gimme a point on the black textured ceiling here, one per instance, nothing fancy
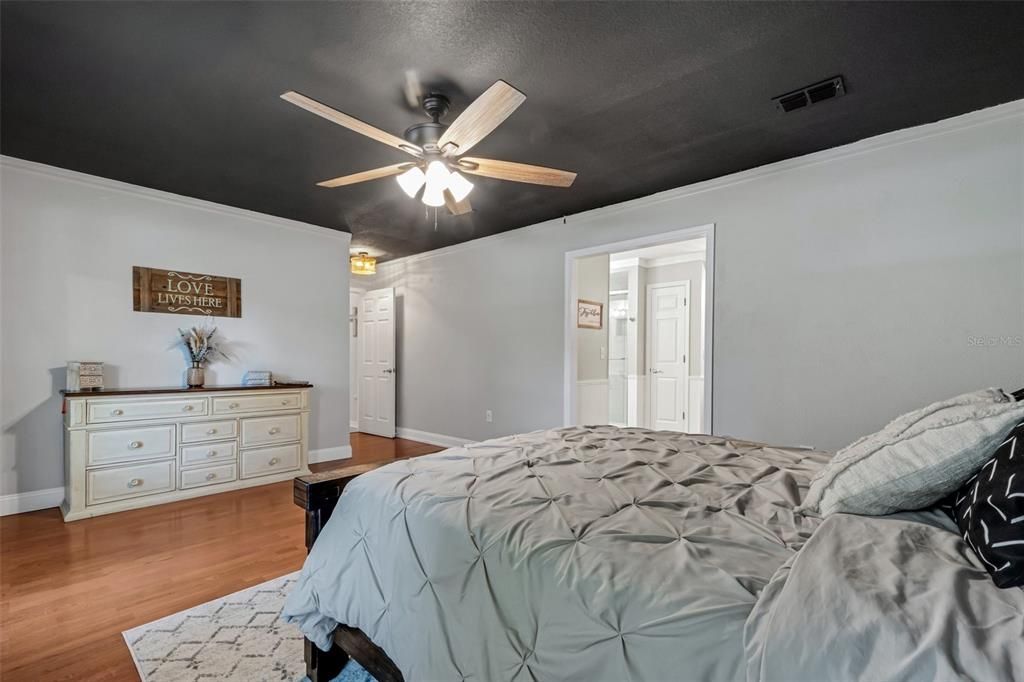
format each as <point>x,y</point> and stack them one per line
<point>637,97</point>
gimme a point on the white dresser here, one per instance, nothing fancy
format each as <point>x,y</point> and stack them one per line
<point>135,448</point>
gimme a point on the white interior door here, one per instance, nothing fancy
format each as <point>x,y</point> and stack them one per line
<point>668,346</point>
<point>377,363</point>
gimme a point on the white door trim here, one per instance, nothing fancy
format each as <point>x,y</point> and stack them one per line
<point>569,336</point>
<point>648,347</point>
<point>353,362</point>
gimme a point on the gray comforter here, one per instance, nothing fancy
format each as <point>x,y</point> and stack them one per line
<point>574,554</point>
<point>598,553</point>
<point>896,597</point>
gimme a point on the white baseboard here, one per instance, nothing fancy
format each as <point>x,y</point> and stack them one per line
<point>16,503</point>
<point>353,427</point>
<point>330,454</point>
<point>432,438</point>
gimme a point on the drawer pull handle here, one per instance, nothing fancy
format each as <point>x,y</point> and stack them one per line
<point>186,408</point>
<point>210,432</point>
<point>273,461</point>
<point>135,483</point>
<point>273,430</point>
<point>135,444</point>
<point>210,477</point>
<point>117,413</point>
<point>232,406</point>
<point>211,453</point>
<point>284,402</point>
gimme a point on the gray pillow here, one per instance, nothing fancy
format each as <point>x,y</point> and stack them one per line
<point>916,459</point>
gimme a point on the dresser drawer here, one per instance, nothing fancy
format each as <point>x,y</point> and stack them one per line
<point>267,430</point>
<point>125,445</point>
<point>106,411</point>
<point>118,483</point>
<point>264,461</point>
<point>194,478</point>
<point>192,455</point>
<point>193,432</point>
<point>267,402</point>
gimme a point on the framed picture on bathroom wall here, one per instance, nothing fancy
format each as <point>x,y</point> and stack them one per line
<point>589,314</point>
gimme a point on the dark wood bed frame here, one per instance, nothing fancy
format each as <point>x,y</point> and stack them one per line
<point>317,494</point>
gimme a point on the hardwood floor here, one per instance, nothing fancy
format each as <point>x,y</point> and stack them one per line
<point>67,591</point>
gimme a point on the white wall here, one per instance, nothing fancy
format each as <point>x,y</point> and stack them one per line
<point>69,242</point>
<point>851,285</point>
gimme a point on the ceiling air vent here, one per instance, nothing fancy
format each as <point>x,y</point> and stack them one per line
<point>811,94</point>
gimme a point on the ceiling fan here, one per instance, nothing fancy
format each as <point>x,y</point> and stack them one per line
<point>438,148</point>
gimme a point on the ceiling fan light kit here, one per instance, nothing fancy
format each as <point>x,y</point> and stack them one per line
<point>438,170</point>
<point>411,180</point>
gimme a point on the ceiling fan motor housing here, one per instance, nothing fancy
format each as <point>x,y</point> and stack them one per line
<point>426,135</point>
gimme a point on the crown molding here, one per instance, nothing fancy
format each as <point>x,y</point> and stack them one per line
<point>948,126</point>
<point>167,197</point>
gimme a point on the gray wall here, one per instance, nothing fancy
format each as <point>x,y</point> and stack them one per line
<point>592,285</point>
<point>69,244</point>
<point>851,286</point>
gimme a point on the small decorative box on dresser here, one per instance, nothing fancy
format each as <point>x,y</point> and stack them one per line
<point>135,448</point>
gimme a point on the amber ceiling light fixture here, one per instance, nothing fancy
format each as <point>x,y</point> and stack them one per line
<point>363,264</point>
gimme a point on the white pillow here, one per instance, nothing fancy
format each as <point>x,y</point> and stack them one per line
<point>916,459</point>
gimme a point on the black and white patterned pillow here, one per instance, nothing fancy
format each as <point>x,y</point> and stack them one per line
<point>989,509</point>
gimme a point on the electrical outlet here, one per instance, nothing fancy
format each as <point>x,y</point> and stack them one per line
<point>489,416</point>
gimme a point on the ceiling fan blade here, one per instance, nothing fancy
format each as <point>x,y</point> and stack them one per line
<point>384,172</point>
<point>516,172</point>
<point>481,117</point>
<point>456,207</point>
<point>352,123</point>
<point>413,90</point>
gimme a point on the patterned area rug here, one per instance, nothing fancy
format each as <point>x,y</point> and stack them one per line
<point>237,637</point>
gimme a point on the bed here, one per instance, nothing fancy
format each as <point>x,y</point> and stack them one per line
<point>603,553</point>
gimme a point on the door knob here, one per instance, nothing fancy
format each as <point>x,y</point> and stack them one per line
<point>656,371</point>
<point>389,371</point>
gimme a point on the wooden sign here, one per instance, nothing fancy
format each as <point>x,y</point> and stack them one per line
<point>185,293</point>
<point>589,314</point>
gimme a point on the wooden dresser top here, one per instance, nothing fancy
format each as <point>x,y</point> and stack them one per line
<point>178,390</point>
